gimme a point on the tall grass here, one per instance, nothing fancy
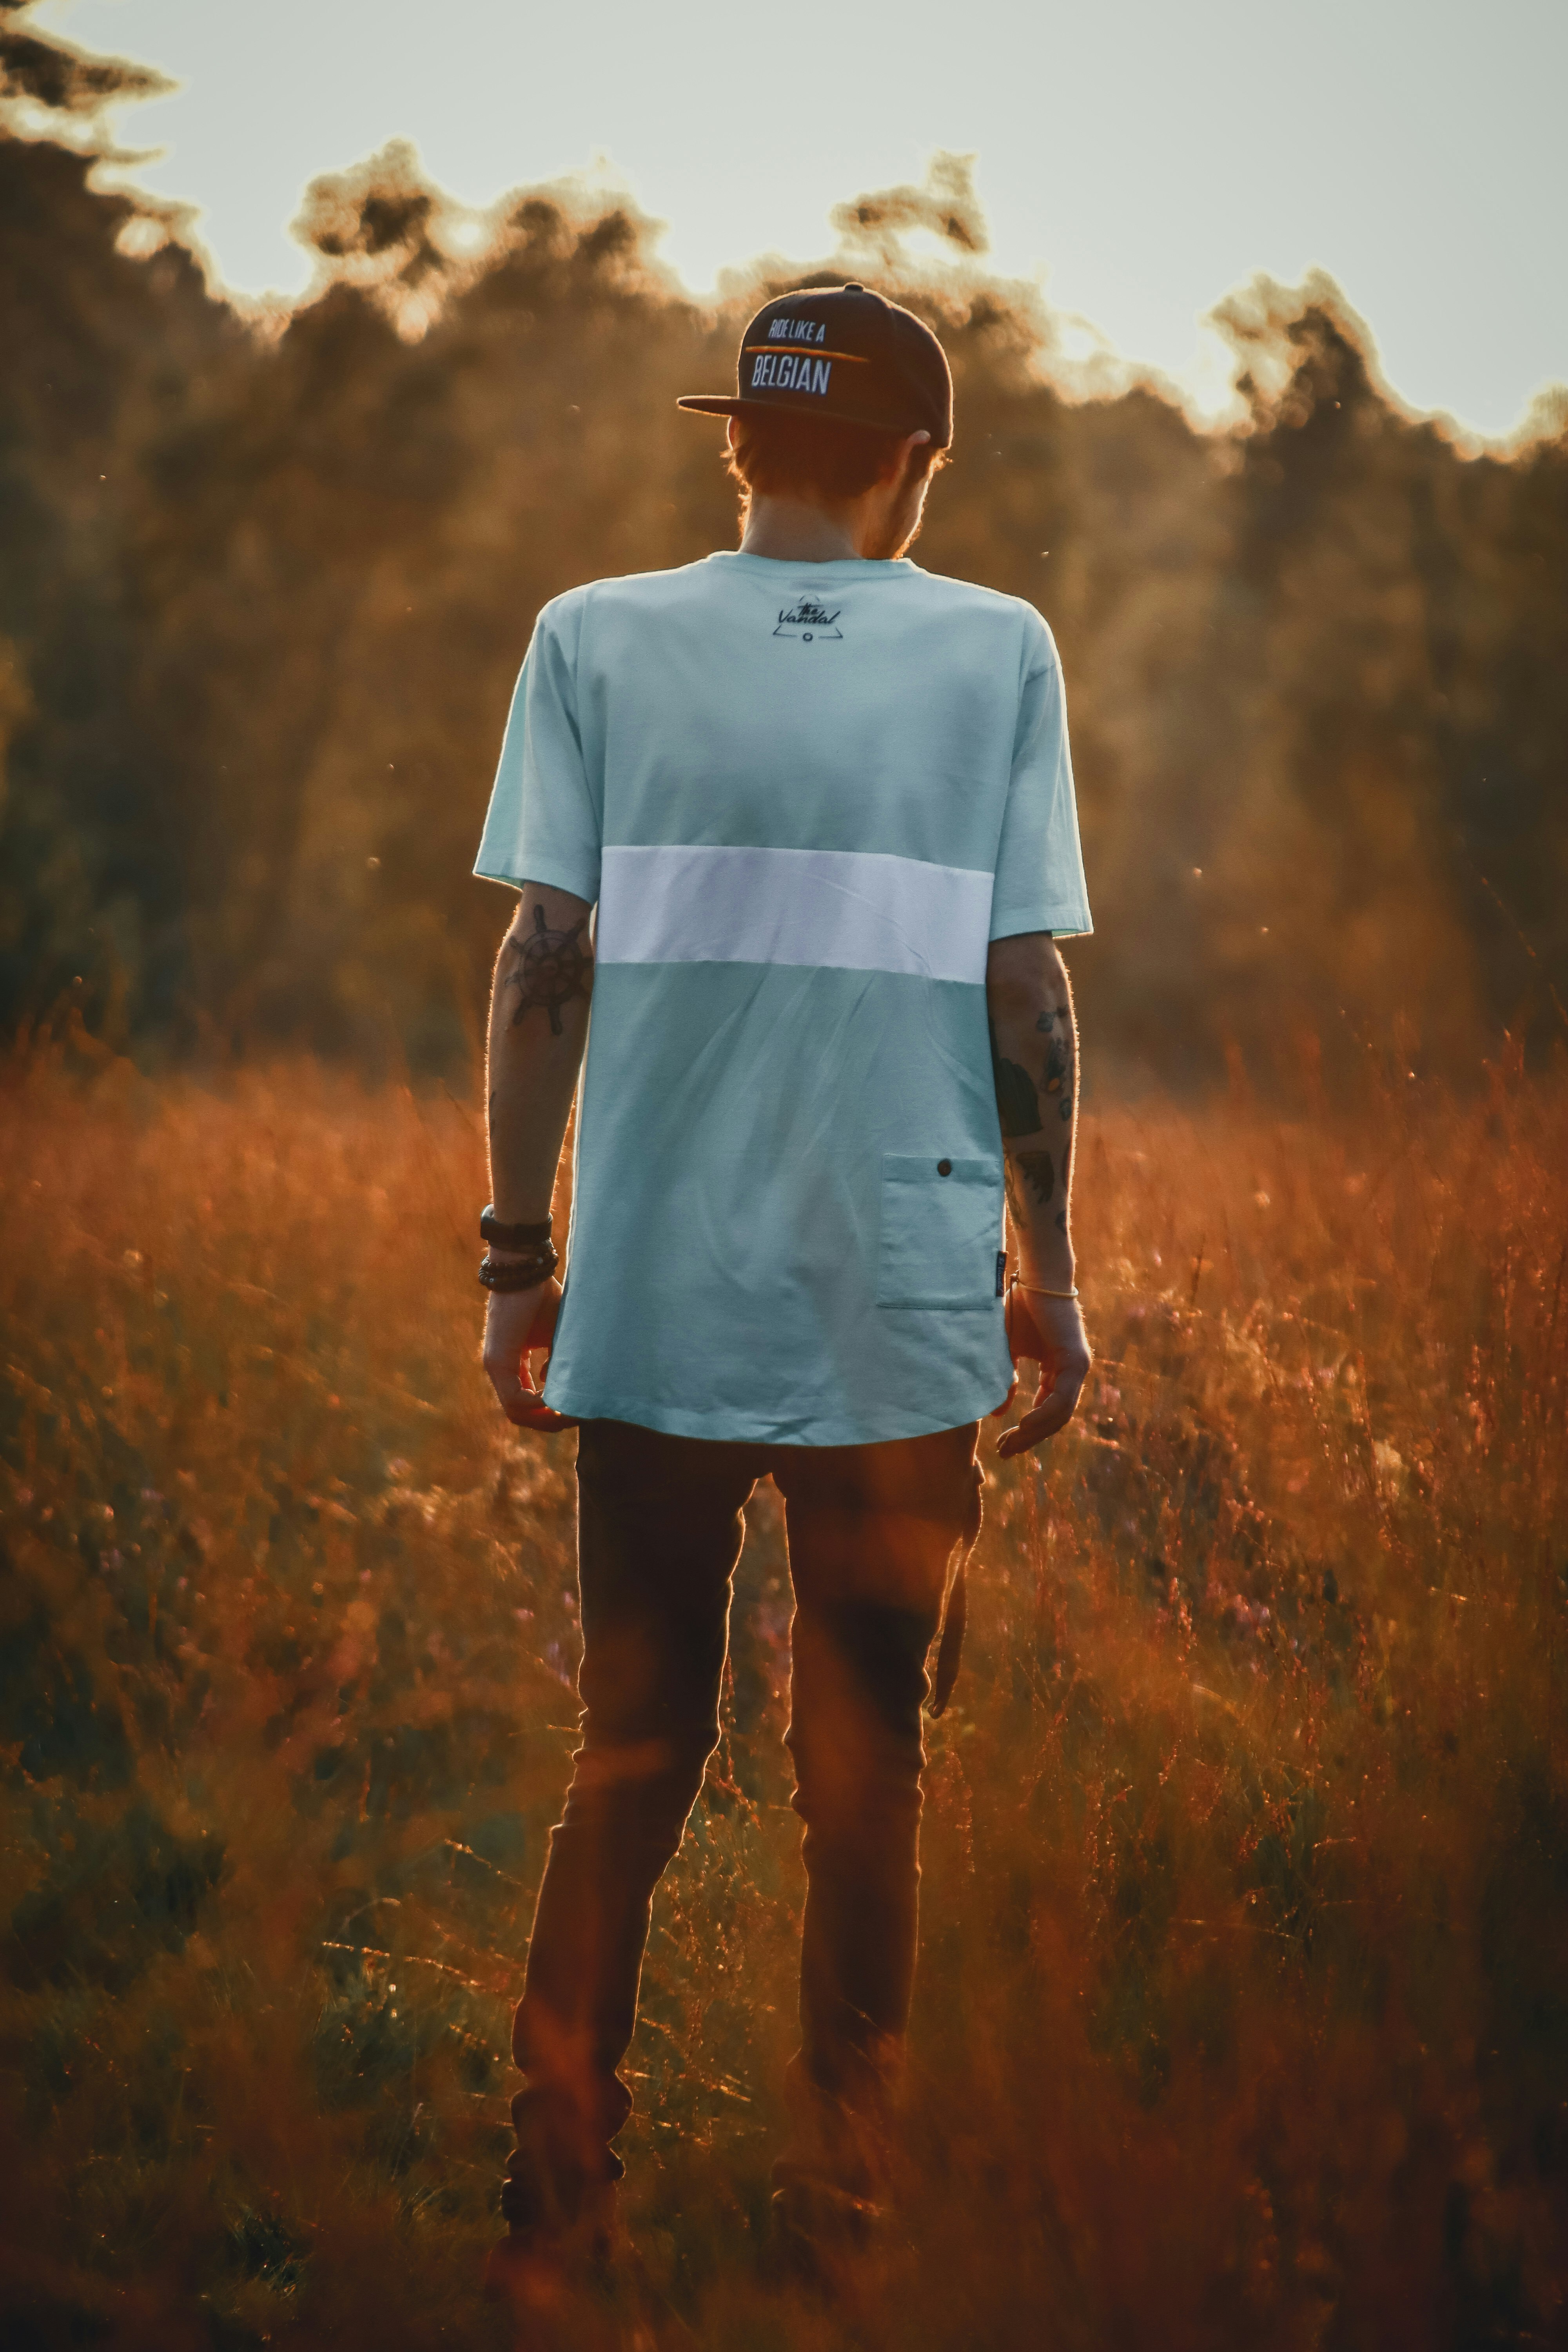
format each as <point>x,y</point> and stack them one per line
<point>1243,2012</point>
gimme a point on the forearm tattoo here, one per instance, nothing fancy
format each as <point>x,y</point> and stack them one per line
<point>1056,1024</point>
<point>1018,1103</point>
<point>1037,1175</point>
<point>549,968</point>
<point>1038,1170</point>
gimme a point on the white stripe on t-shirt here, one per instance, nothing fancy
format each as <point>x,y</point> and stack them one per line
<point>856,911</point>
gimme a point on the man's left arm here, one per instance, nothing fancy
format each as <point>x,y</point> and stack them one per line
<point>1034,1053</point>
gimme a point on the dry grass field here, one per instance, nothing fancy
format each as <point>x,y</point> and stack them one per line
<point>1243,2017</point>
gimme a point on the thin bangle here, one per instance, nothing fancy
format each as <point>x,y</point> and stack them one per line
<point>1039,1290</point>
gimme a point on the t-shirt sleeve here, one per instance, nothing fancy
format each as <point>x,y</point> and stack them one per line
<point>544,823</point>
<point>1040,883</point>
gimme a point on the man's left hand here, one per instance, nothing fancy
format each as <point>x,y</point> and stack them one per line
<point>1049,1332</point>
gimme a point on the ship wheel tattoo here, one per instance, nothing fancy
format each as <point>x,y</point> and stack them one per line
<point>553,968</point>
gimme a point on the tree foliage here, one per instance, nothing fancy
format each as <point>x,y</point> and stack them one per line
<point>266,586</point>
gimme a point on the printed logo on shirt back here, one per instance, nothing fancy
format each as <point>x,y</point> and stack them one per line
<point>809,620</point>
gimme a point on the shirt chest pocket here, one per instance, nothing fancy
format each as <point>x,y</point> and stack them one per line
<point>941,1229</point>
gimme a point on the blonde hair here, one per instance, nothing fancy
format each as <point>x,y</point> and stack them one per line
<point>778,453</point>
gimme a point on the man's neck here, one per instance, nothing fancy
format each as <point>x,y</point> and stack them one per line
<point>791,531</point>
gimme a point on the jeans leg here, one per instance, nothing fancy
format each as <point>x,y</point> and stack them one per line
<point>871,1532</point>
<point>659,1530</point>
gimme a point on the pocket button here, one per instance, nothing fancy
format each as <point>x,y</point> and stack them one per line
<point>944,1167</point>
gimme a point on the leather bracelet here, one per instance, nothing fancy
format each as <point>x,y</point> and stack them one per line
<point>519,1273</point>
<point>510,1237</point>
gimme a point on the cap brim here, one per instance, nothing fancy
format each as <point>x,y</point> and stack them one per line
<point>716,403</point>
<point>727,404</point>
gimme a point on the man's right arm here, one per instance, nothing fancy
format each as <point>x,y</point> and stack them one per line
<point>538,1025</point>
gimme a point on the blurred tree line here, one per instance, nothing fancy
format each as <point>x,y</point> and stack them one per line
<point>266,588</point>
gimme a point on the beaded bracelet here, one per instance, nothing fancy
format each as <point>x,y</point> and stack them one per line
<point>519,1273</point>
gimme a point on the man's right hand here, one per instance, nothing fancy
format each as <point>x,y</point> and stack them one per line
<point>518,1324</point>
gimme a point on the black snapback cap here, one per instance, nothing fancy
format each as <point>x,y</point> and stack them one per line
<point>842,352</point>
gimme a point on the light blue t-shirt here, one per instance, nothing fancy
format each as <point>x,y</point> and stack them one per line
<point>803,799</point>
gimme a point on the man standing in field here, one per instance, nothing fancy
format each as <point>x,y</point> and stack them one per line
<point>821,803</point>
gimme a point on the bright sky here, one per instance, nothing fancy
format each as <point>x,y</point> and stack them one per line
<point>1143,155</point>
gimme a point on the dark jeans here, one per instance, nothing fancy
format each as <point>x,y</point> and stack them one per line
<point>871,1532</point>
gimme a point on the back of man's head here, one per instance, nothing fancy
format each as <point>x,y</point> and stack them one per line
<point>817,459</point>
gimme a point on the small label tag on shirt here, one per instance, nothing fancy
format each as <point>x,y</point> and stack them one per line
<point>1001,1270</point>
